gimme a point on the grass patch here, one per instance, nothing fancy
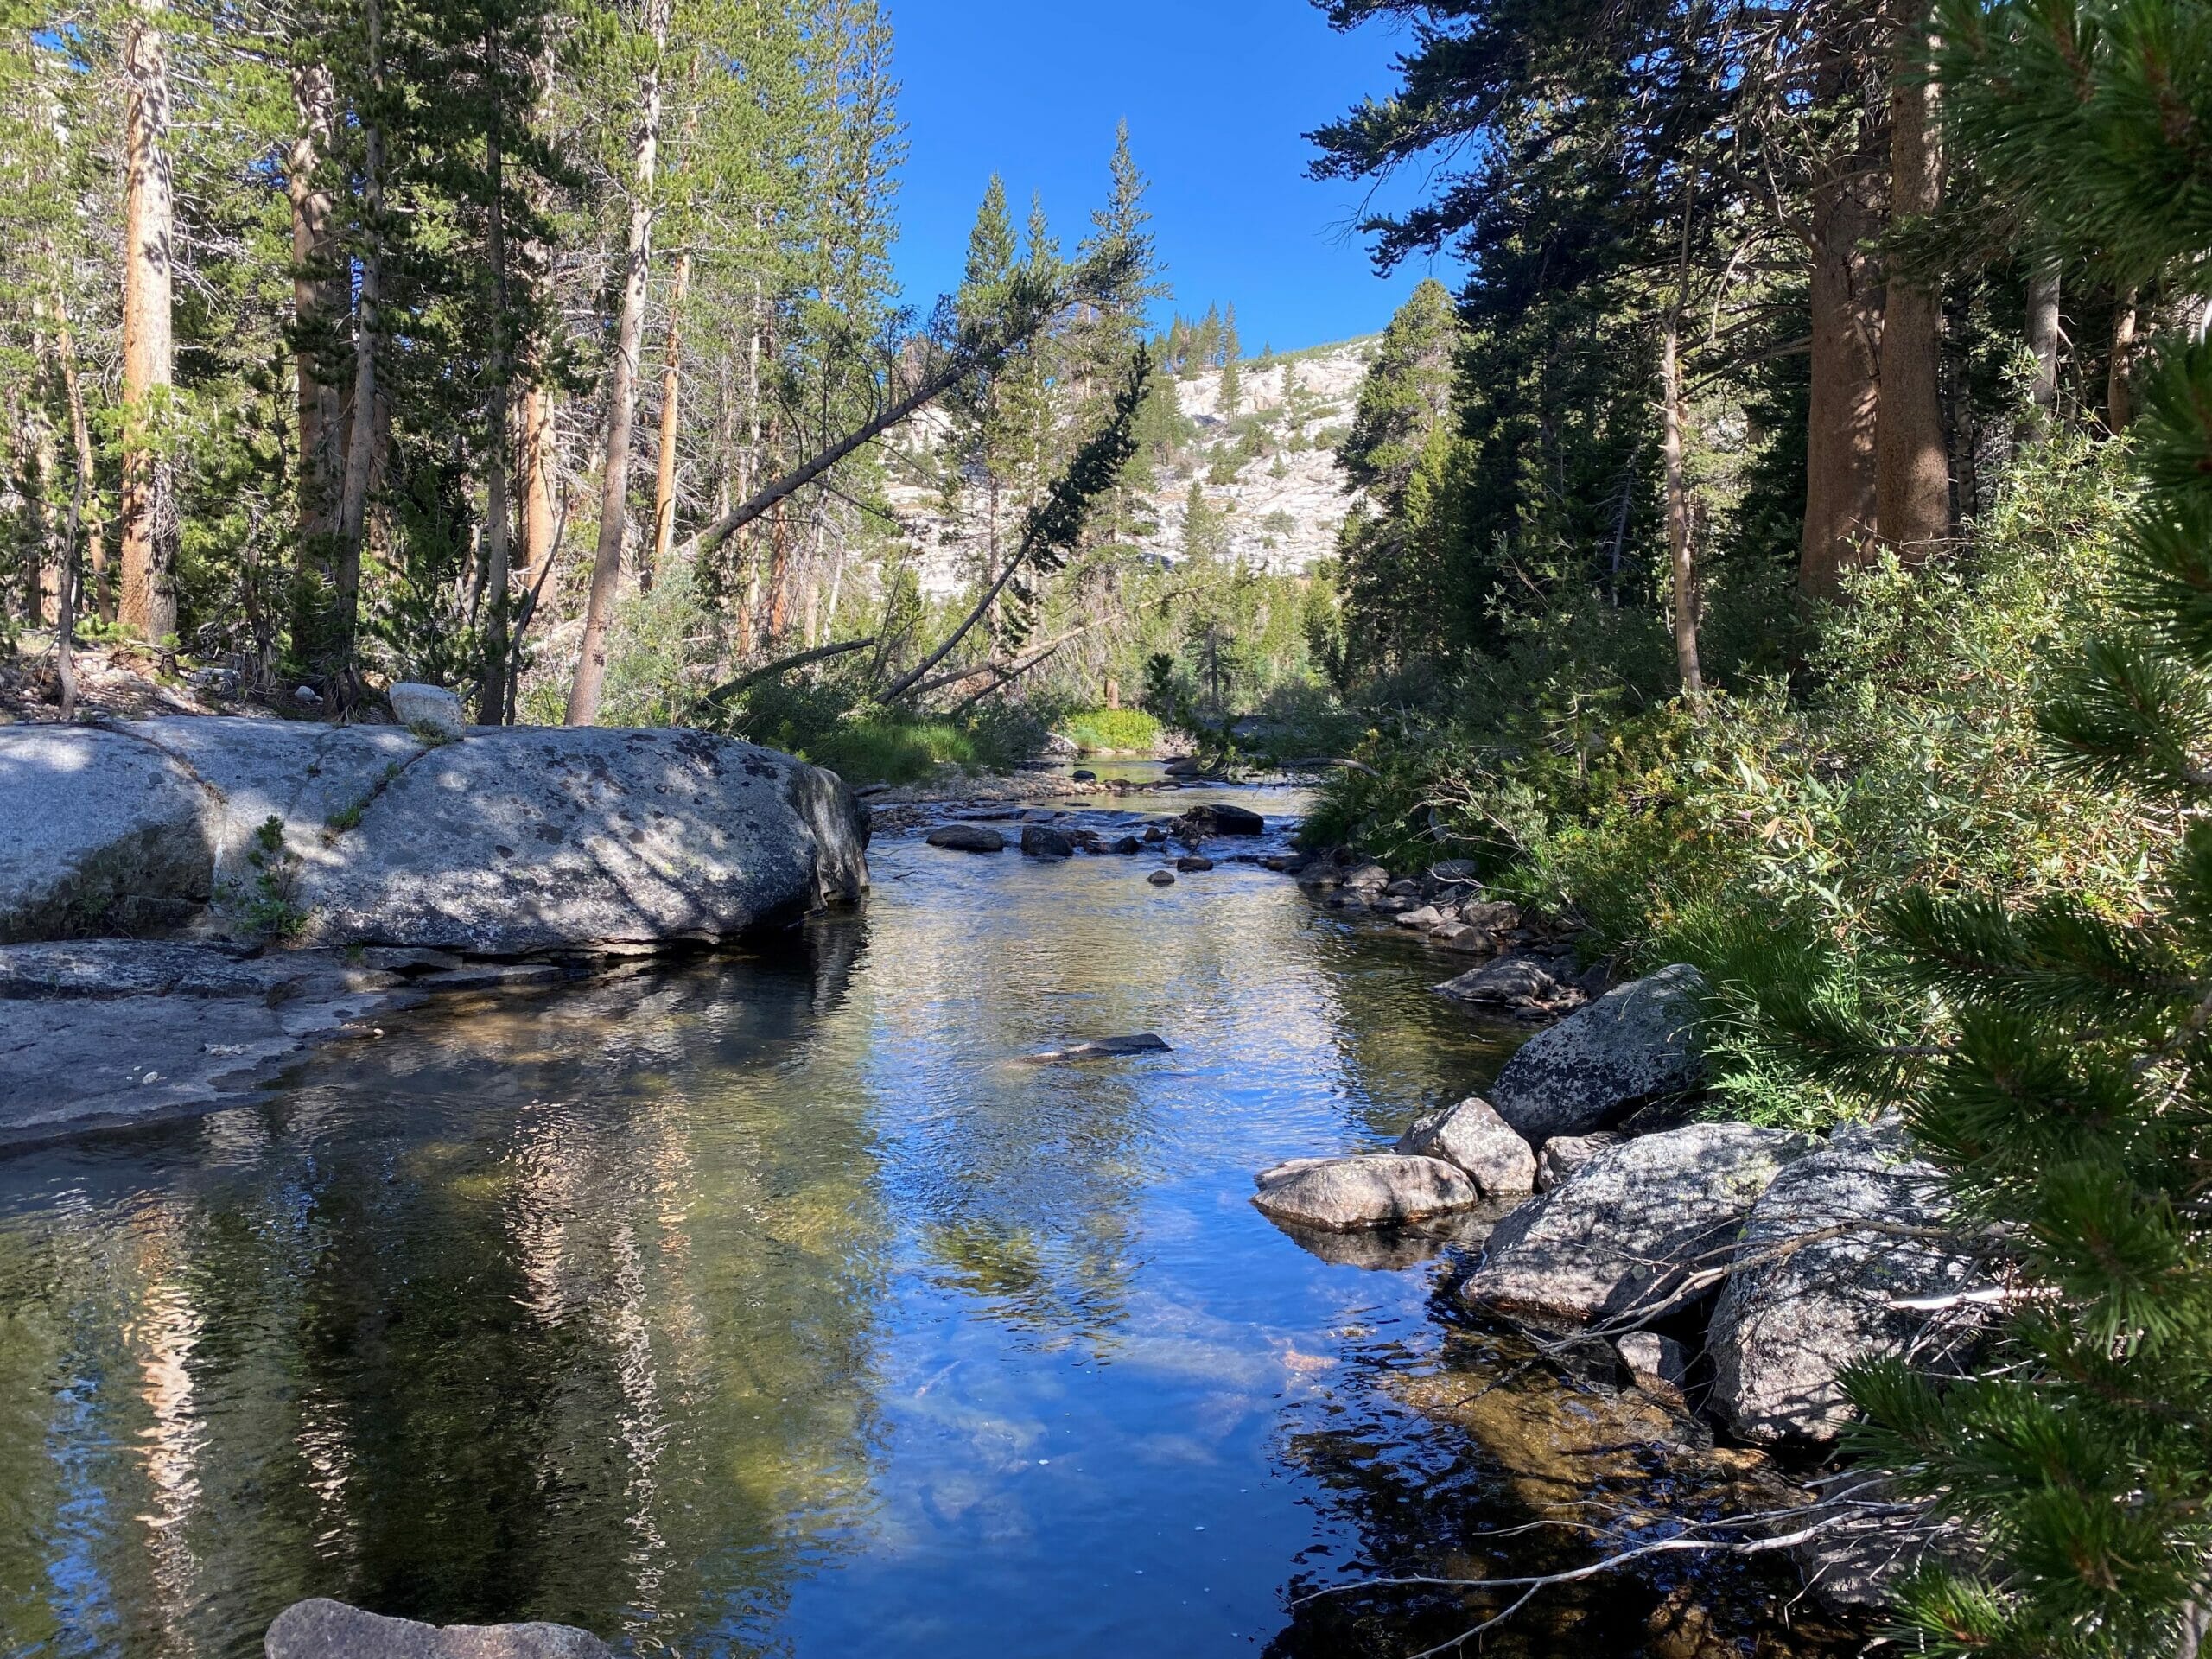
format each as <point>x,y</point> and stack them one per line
<point>1112,728</point>
<point>876,750</point>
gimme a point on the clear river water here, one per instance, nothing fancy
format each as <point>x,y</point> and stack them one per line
<point>771,1305</point>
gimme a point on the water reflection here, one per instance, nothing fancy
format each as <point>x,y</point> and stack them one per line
<point>760,1305</point>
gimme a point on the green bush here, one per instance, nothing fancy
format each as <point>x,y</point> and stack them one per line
<point>1122,729</point>
<point>1902,756</point>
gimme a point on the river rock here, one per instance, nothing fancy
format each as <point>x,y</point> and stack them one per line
<point>331,1629</point>
<point>1194,865</point>
<point>1040,840</point>
<point>1367,879</point>
<point>99,832</point>
<point>1622,1234</point>
<point>1380,1190</point>
<point>1565,1154</point>
<point>967,838</point>
<point>1425,919</point>
<point>1632,1046</point>
<point>1474,1138</point>
<point>1224,820</point>
<point>1786,1328</point>
<point>430,707</point>
<point>1653,1359</point>
<point>1128,846</point>
<point>1161,878</point>
<point>505,843</point>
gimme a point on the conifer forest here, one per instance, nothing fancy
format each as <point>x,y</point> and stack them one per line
<point>592,788</point>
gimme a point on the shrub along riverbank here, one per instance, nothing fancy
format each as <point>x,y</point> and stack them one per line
<point>1760,834</point>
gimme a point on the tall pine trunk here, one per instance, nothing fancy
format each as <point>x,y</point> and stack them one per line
<point>1678,515</point>
<point>498,513</point>
<point>366,434</point>
<point>540,466</point>
<point>316,298</point>
<point>1912,488</point>
<point>622,395</point>
<point>1840,436</point>
<point>149,516</point>
<point>2043,298</point>
<point>671,409</point>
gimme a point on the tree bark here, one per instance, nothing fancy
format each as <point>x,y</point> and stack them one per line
<point>1678,517</point>
<point>540,466</point>
<point>2119,401</point>
<point>316,299</point>
<point>149,515</point>
<point>671,409</point>
<point>365,438</point>
<point>622,396</point>
<point>1912,484</point>
<point>498,513</point>
<point>84,507</point>
<point>2043,332</point>
<point>1840,437</point>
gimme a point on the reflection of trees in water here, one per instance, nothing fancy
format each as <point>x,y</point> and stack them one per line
<point>1430,1466</point>
<point>490,1320</point>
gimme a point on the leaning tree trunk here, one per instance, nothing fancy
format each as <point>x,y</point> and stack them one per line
<point>149,516</point>
<point>2043,332</point>
<point>622,396</point>
<point>1912,480</point>
<point>365,437</point>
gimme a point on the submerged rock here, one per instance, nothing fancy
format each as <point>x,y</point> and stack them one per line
<point>1787,1325</point>
<point>331,1629</point>
<point>1105,1048</point>
<point>1634,1045</point>
<point>1473,1137</point>
<point>1393,1249</point>
<point>1381,1189</point>
<point>967,838</point>
<point>1516,981</point>
<point>1630,1227</point>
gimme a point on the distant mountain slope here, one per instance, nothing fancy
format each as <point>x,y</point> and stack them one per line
<point>1270,468</point>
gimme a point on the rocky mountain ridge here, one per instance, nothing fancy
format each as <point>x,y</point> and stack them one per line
<point>1268,468</point>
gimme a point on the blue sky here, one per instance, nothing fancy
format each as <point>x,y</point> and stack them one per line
<point>1217,93</point>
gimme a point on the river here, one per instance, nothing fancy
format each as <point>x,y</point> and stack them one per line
<point>770,1305</point>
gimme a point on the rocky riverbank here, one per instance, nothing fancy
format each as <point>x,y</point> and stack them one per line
<point>1730,1273</point>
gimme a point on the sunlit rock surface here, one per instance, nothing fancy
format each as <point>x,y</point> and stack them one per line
<point>504,842</point>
